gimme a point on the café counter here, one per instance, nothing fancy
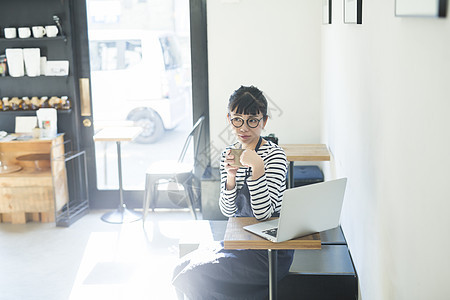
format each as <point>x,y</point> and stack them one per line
<point>32,190</point>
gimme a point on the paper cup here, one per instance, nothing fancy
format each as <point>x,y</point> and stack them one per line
<point>237,157</point>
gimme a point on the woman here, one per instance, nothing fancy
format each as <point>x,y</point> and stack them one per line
<point>254,190</point>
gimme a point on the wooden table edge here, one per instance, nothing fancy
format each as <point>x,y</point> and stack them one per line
<point>263,245</point>
<point>235,238</point>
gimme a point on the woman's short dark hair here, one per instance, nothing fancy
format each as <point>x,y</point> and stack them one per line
<point>248,100</point>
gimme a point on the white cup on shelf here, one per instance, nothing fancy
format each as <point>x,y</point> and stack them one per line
<point>51,30</point>
<point>38,31</point>
<point>24,32</point>
<point>10,32</point>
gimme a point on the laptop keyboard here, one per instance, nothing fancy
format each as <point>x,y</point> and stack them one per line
<point>272,231</point>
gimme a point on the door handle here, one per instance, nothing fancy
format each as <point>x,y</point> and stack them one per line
<point>85,97</point>
<point>87,123</point>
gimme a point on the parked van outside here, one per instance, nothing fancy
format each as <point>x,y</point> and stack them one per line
<point>138,76</point>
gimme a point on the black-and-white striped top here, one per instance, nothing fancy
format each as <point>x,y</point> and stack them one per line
<point>266,192</point>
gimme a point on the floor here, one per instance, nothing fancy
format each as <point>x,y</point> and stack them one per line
<point>92,259</point>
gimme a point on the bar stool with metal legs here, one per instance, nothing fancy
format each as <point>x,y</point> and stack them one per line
<point>178,173</point>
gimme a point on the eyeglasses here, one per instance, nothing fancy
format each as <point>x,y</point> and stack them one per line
<point>251,122</point>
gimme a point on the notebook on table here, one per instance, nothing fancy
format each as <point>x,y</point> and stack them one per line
<point>305,210</point>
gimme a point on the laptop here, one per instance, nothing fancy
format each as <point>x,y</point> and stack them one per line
<point>305,210</point>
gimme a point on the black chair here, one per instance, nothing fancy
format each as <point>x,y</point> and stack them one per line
<point>271,137</point>
<point>178,173</point>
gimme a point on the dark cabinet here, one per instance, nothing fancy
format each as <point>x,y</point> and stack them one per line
<point>28,13</point>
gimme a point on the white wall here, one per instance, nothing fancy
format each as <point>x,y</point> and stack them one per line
<point>386,96</point>
<point>386,106</point>
<point>274,45</point>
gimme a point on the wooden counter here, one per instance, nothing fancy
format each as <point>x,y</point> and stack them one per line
<point>33,194</point>
<point>236,237</point>
<point>306,152</point>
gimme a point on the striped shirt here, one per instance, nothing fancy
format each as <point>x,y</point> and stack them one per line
<point>266,192</point>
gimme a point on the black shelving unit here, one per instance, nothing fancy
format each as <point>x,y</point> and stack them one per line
<point>17,14</point>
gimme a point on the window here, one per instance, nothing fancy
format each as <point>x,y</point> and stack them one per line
<point>115,55</point>
<point>171,53</point>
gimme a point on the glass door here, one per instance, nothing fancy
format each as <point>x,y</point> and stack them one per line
<point>140,75</point>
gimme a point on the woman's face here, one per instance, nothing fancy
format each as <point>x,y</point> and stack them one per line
<point>247,127</point>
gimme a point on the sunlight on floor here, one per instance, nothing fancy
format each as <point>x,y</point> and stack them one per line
<point>133,263</point>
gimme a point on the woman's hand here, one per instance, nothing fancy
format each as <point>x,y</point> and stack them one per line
<point>231,171</point>
<point>229,160</point>
<point>250,158</point>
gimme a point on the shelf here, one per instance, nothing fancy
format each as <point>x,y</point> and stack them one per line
<point>31,39</point>
<point>32,112</point>
<point>32,78</point>
<point>41,175</point>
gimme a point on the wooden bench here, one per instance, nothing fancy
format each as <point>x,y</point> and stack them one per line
<point>314,274</point>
